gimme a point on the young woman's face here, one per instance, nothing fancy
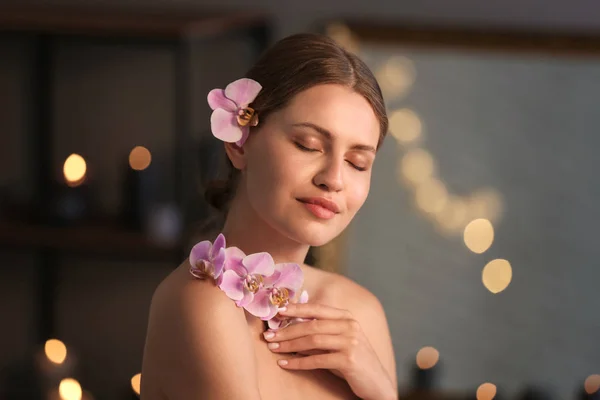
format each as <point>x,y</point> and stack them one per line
<point>308,168</point>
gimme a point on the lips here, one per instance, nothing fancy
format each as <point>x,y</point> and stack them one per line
<point>323,202</point>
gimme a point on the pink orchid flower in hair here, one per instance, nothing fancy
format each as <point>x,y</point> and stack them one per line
<point>208,259</point>
<point>277,290</point>
<point>231,118</point>
<point>244,276</point>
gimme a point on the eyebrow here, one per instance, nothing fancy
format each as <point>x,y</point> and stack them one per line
<point>329,135</point>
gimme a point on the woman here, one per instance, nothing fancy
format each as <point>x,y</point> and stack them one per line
<point>301,133</point>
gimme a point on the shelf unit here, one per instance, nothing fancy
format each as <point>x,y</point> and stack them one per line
<point>178,30</point>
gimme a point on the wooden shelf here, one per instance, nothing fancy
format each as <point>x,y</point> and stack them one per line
<point>129,21</point>
<point>92,239</point>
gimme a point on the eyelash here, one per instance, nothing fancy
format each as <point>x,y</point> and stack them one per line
<point>307,149</point>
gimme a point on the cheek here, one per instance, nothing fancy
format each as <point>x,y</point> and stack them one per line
<point>358,191</point>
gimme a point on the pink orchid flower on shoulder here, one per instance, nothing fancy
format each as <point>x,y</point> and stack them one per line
<point>279,322</point>
<point>207,259</point>
<point>231,118</point>
<point>277,291</point>
<point>244,275</point>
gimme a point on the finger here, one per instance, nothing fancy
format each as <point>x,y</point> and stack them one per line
<point>321,361</point>
<point>313,342</point>
<point>314,310</point>
<point>310,352</point>
<point>314,327</point>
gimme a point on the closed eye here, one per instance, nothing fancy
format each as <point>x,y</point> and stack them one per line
<point>356,167</point>
<point>304,148</point>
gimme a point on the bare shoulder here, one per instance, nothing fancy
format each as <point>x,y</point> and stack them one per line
<point>196,337</point>
<point>339,291</point>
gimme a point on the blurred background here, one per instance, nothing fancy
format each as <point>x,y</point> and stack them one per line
<point>479,235</point>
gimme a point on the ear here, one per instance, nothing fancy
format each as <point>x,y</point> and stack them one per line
<point>237,155</point>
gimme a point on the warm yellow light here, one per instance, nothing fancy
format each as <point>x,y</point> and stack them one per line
<point>416,166</point>
<point>74,169</point>
<point>497,275</point>
<point>452,217</point>
<point>427,357</point>
<point>55,350</point>
<point>431,196</point>
<point>342,34</point>
<point>139,158</point>
<point>69,389</point>
<point>485,203</point>
<point>136,382</point>
<point>405,125</point>
<point>479,235</point>
<point>486,391</point>
<point>397,76</point>
<point>592,384</point>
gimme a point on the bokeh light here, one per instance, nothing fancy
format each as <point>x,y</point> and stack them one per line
<point>139,158</point>
<point>405,125</point>
<point>69,389</point>
<point>416,166</point>
<point>497,275</point>
<point>592,384</point>
<point>55,350</point>
<point>74,169</point>
<point>431,196</point>
<point>396,77</point>
<point>486,391</point>
<point>427,357</point>
<point>136,382</point>
<point>479,235</point>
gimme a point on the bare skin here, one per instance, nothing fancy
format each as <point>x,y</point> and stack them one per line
<point>259,377</point>
<point>200,345</point>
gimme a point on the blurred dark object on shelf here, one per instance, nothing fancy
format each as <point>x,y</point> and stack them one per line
<point>70,205</point>
<point>584,395</point>
<point>534,393</point>
<point>425,378</point>
<point>140,190</point>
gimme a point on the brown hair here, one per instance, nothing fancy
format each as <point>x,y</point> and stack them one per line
<point>294,64</point>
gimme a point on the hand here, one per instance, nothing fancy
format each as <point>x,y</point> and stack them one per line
<point>335,341</point>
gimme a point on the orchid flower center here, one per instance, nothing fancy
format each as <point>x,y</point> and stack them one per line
<point>253,282</point>
<point>279,297</point>
<point>205,268</point>
<point>245,116</point>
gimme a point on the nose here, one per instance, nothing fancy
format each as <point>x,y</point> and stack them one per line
<point>330,177</point>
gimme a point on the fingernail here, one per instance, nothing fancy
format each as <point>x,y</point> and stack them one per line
<point>282,362</point>
<point>269,335</point>
<point>282,309</point>
<point>273,346</point>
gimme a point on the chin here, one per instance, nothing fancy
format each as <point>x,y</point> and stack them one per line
<point>313,233</point>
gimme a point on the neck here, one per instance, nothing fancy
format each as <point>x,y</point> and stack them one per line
<point>248,231</point>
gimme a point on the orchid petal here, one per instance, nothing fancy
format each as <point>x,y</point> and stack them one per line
<point>224,126</point>
<point>216,99</point>
<point>291,277</point>
<point>200,251</point>
<point>271,314</point>
<point>232,285</point>
<point>219,262</point>
<point>245,134</point>
<point>247,299</point>
<point>259,263</point>
<point>260,306</point>
<point>243,91</point>
<point>218,244</point>
<point>233,261</point>
<point>274,323</point>
<point>303,297</point>
<point>269,281</point>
